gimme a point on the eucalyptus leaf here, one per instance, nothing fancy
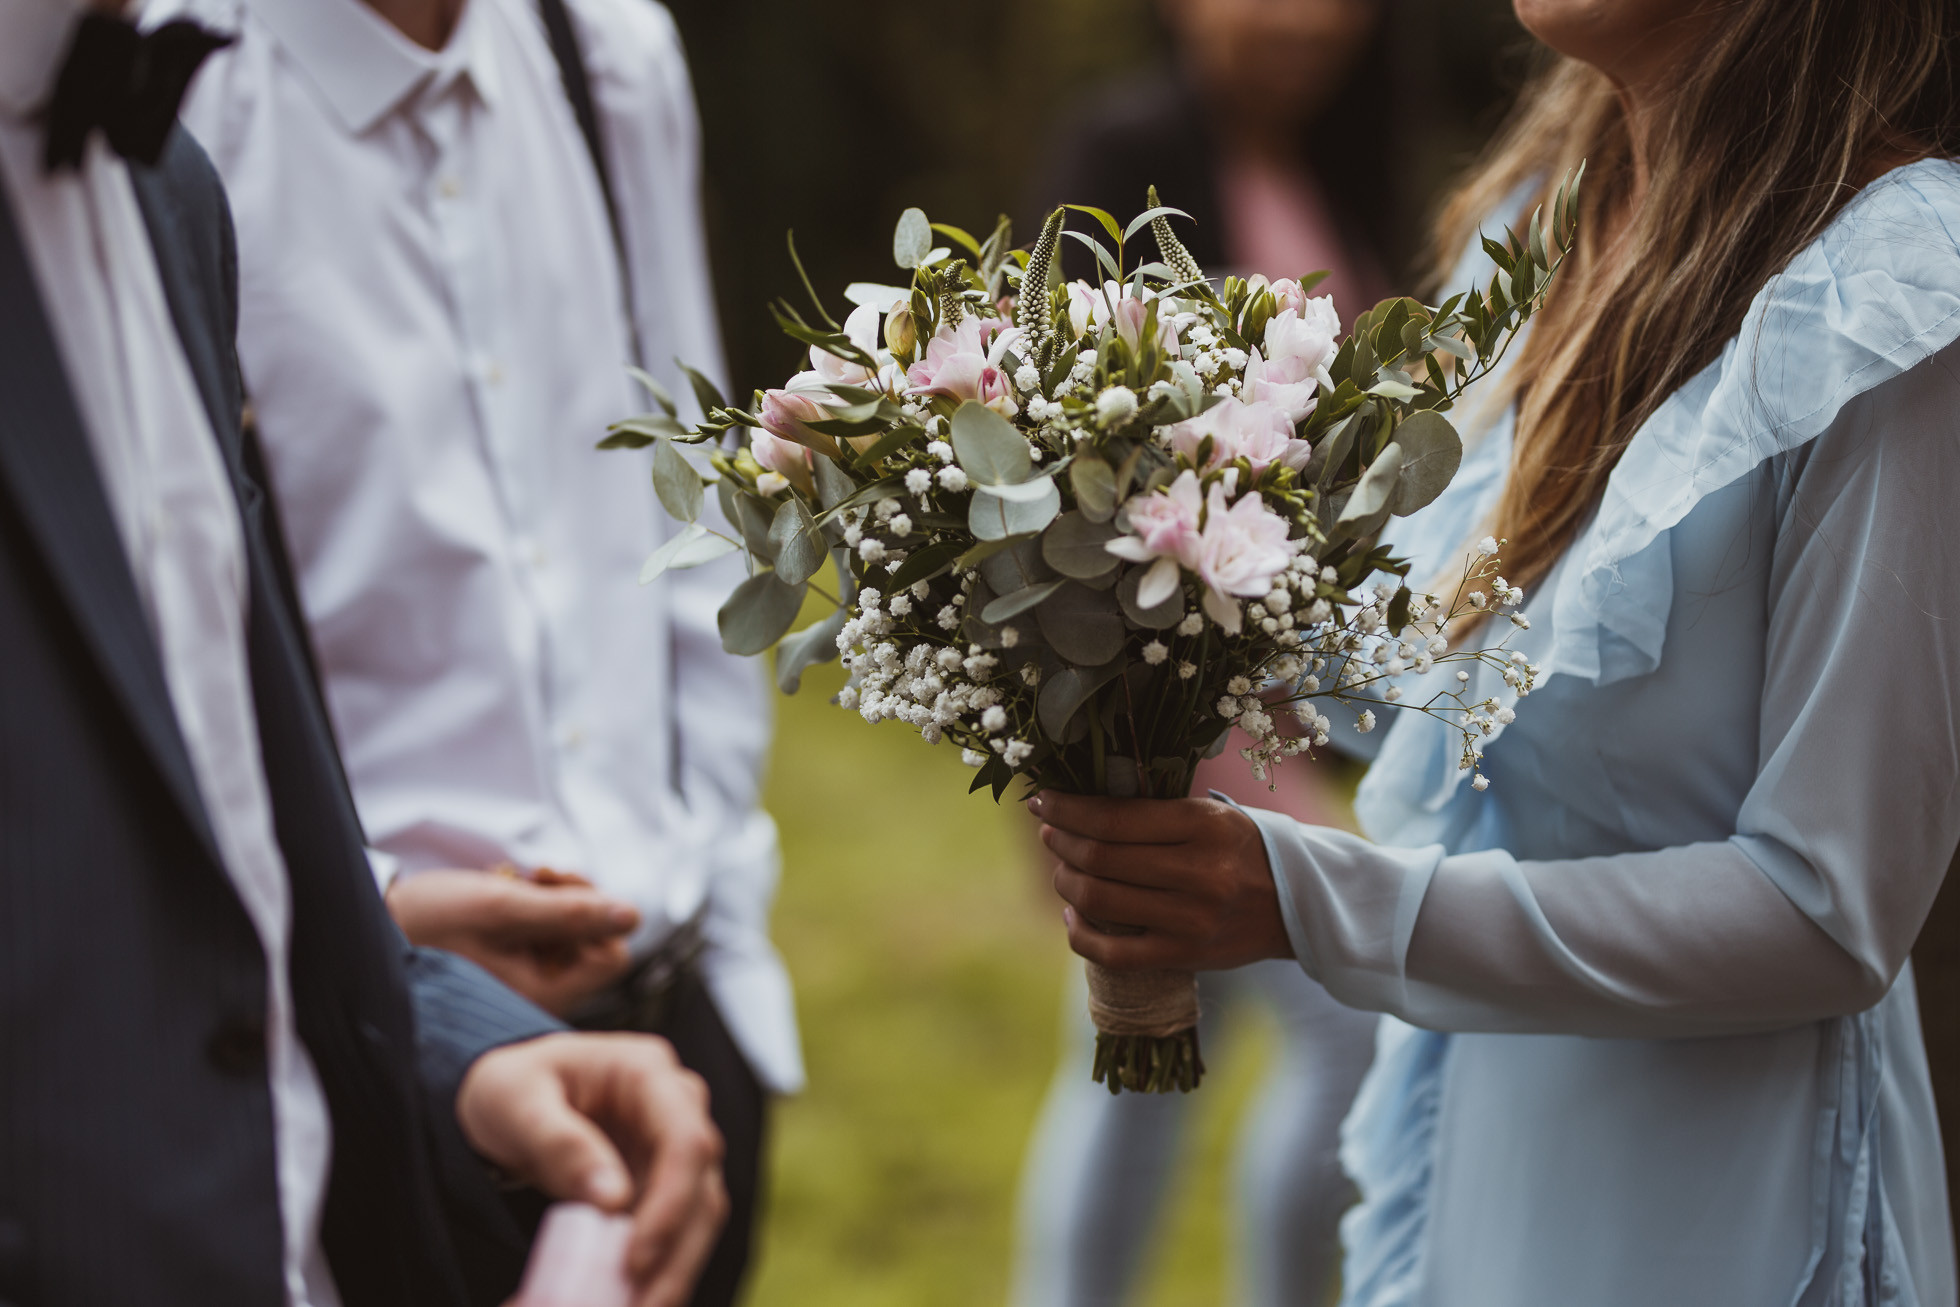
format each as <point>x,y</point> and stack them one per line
<point>813,644</point>
<point>872,294</point>
<point>912,239</point>
<point>1024,492</point>
<point>676,482</point>
<point>758,614</point>
<point>750,515</point>
<point>834,485</point>
<point>1082,625</point>
<point>924,564</point>
<point>1064,692</point>
<point>990,451</point>
<point>799,546</point>
<point>1372,492</point>
<point>1016,567</point>
<point>993,518</point>
<point>1161,618</point>
<point>706,393</point>
<point>1391,389</point>
<point>1013,605</point>
<point>1094,483</point>
<point>691,546</point>
<point>1431,454</point>
<point>1074,546</point>
<point>653,387</point>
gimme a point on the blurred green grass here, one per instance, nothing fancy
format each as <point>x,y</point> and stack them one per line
<point>929,962</point>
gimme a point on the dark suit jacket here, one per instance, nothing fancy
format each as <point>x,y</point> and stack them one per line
<point>136,1144</point>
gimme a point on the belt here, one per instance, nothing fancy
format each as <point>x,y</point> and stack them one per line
<point>643,999</point>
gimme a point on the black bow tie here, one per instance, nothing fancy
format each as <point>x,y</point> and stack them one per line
<point>126,82</point>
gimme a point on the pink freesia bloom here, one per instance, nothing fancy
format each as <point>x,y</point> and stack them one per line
<point>787,413</point>
<point>1165,534</point>
<point>1260,432</point>
<point>862,327</point>
<point>1089,308</point>
<point>1289,294</point>
<point>1300,343</point>
<point>786,458</point>
<point>1240,552</point>
<point>964,362</point>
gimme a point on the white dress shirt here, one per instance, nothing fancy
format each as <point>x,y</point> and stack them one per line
<point>433,338</point>
<point>178,518</point>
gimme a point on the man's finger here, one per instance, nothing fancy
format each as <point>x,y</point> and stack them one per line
<point>672,1284</point>
<point>670,1118</point>
<point>534,912</point>
<point>1112,902</point>
<point>1118,821</point>
<point>566,1155</point>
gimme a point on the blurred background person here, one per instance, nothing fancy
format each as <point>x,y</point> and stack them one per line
<point>1261,127</point>
<point>457,223</point>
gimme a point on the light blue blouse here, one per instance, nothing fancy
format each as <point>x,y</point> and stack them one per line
<point>1657,1041</point>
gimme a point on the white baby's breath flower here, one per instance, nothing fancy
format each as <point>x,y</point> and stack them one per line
<point>871,550</point>
<point>885,508</point>
<point>901,605</point>
<point>1228,707</point>
<point>1026,378</point>
<point>972,757</point>
<point>994,720</point>
<point>948,618</point>
<point>901,526</point>
<point>918,481</point>
<point>1478,600</point>
<point>1238,685</point>
<point>940,450</point>
<point>1155,652</point>
<point>1016,752</point>
<point>1186,670</point>
<point>1463,678</point>
<point>952,478</point>
<point>1009,637</point>
<point>1192,624</point>
<point>1366,722</point>
<point>1487,546</point>
<point>1480,782</point>
<point>852,534</point>
<point>1235,359</point>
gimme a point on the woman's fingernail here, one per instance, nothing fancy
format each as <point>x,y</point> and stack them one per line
<point>1068,917</point>
<point>1038,803</point>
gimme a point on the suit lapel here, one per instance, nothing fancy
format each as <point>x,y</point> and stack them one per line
<point>47,465</point>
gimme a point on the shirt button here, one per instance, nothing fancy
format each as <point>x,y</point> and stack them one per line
<point>571,737</point>
<point>451,187</point>
<point>493,373</point>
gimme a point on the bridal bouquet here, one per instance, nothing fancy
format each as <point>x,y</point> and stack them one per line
<point>1080,531</point>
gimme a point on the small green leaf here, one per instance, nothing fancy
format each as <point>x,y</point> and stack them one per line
<point>1390,389</point>
<point>654,388</point>
<point>991,517</point>
<point>705,392</point>
<point>1013,605</point>
<point>758,614</point>
<point>1373,491</point>
<point>1073,546</point>
<point>960,235</point>
<point>989,449</point>
<point>925,564</point>
<point>623,437</point>
<point>692,546</point>
<point>912,239</point>
<point>834,485</point>
<point>1144,219</point>
<point>890,443</point>
<point>799,546</point>
<point>1063,693</point>
<point>1094,483</point>
<point>676,482</point>
<point>1103,216</point>
<point>813,644</point>
<point>1431,454</point>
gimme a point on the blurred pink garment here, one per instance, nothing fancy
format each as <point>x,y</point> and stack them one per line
<point>1278,223</point>
<point>579,1260</point>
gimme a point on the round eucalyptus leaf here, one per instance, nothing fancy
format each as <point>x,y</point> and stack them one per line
<point>1373,490</point>
<point>1073,546</point>
<point>1094,483</point>
<point>1082,625</point>
<point>1065,691</point>
<point>799,545</point>
<point>812,645</point>
<point>677,483</point>
<point>692,546</point>
<point>1161,618</point>
<point>990,451</point>
<point>1431,454</point>
<point>758,613</point>
<point>1015,567</point>
<point>993,518</point>
<point>912,240</point>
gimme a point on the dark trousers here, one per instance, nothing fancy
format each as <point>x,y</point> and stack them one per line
<point>687,1019</point>
<point>1936,971</point>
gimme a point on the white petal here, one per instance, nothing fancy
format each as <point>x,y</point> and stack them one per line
<point>1158,584</point>
<point>1221,610</point>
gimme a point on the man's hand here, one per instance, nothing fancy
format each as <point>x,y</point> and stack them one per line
<point>554,939</point>
<point>615,1121</point>
<point>1190,874</point>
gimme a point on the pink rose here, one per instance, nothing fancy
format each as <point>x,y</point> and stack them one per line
<point>1242,548</point>
<point>1260,432</point>
<point>1164,533</point>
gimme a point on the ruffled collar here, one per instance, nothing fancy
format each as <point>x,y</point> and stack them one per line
<point>1877,293</point>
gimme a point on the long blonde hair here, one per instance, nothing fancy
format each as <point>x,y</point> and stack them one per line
<point>1763,137</point>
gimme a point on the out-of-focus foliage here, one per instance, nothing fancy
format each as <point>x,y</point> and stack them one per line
<point>829,116</point>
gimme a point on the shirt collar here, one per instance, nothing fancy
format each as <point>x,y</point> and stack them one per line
<point>361,64</point>
<point>34,36</point>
